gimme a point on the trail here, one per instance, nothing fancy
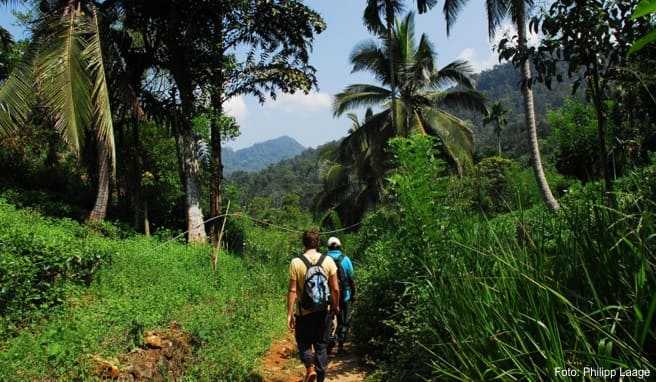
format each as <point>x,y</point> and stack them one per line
<point>281,364</point>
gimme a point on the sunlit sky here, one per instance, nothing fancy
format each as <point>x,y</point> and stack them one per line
<point>308,118</point>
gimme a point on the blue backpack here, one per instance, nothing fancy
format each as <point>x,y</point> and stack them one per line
<point>316,293</point>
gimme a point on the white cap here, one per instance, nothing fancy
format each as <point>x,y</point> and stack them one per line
<point>333,241</point>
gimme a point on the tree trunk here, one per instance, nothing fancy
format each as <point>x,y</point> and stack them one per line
<point>499,141</point>
<point>389,17</point>
<point>146,221</point>
<point>135,175</point>
<point>190,164</point>
<point>529,115</point>
<point>217,173</point>
<point>216,165</point>
<point>191,169</point>
<point>102,197</point>
<point>601,135</point>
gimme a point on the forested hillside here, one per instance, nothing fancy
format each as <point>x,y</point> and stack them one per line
<point>260,155</point>
<point>298,178</point>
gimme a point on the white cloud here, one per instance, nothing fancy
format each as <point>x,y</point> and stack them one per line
<point>488,59</point>
<point>236,107</point>
<point>300,102</point>
<point>479,63</point>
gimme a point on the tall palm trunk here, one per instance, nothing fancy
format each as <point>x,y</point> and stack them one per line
<point>389,18</point>
<point>529,114</point>
<point>102,196</point>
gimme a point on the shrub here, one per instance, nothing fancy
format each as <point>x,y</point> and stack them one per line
<point>38,257</point>
<point>452,297</point>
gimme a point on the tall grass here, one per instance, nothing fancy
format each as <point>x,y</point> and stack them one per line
<point>456,296</point>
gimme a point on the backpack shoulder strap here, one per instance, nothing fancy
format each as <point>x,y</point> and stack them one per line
<point>321,259</point>
<point>305,261</point>
<point>339,259</point>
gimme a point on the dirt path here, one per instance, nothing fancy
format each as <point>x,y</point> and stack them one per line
<point>281,364</point>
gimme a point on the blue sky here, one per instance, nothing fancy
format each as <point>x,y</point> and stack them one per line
<point>309,119</point>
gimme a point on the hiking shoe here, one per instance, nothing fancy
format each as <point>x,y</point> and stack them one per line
<point>311,375</point>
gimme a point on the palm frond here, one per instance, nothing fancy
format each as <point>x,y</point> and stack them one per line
<point>457,137</point>
<point>451,10</point>
<point>405,39</point>
<point>370,56</point>
<point>457,72</point>
<point>63,79</point>
<point>17,93</point>
<point>359,95</point>
<point>466,99</point>
<point>102,112</point>
<point>423,66</point>
<point>372,19</point>
<point>497,11</point>
<point>425,5</point>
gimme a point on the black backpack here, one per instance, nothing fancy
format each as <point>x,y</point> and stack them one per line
<point>316,293</point>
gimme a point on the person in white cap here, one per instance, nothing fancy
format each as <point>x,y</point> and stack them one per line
<point>345,276</point>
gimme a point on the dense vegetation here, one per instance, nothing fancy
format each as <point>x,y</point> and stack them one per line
<point>56,317</point>
<point>502,224</point>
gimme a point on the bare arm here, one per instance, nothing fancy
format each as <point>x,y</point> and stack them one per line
<point>291,300</point>
<point>333,283</point>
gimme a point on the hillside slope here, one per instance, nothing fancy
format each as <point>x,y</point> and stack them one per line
<point>142,285</point>
<point>260,155</point>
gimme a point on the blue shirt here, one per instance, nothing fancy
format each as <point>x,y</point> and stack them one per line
<point>347,266</point>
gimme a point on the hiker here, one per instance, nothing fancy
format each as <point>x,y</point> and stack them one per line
<point>314,285</point>
<point>347,292</point>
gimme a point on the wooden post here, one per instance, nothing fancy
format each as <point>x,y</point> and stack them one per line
<point>217,247</point>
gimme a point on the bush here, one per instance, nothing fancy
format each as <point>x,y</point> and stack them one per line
<point>450,297</point>
<point>39,257</point>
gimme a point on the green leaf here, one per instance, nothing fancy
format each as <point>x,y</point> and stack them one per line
<point>644,8</point>
<point>643,41</point>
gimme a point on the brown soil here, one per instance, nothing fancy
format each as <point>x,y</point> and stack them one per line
<point>162,358</point>
<point>281,364</point>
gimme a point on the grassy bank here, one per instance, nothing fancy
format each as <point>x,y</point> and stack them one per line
<point>138,285</point>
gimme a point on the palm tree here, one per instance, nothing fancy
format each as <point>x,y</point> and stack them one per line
<point>355,179</point>
<point>497,11</point>
<point>497,116</point>
<point>374,13</point>
<point>421,98</point>
<point>64,69</point>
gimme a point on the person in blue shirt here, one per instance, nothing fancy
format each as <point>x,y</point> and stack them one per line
<point>345,276</point>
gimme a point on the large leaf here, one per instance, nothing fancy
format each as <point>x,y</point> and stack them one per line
<point>457,137</point>
<point>359,95</point>
<point>17,94</point>
<point>643,41</point>
<point>64,83</point>
<point>102,112</point>
<point>644,8</point>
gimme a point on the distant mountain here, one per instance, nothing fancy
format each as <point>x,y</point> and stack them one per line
<point>299,175</point>
<point>260,155</point>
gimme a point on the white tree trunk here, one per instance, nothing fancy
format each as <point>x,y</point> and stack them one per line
<point>191,168</point>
